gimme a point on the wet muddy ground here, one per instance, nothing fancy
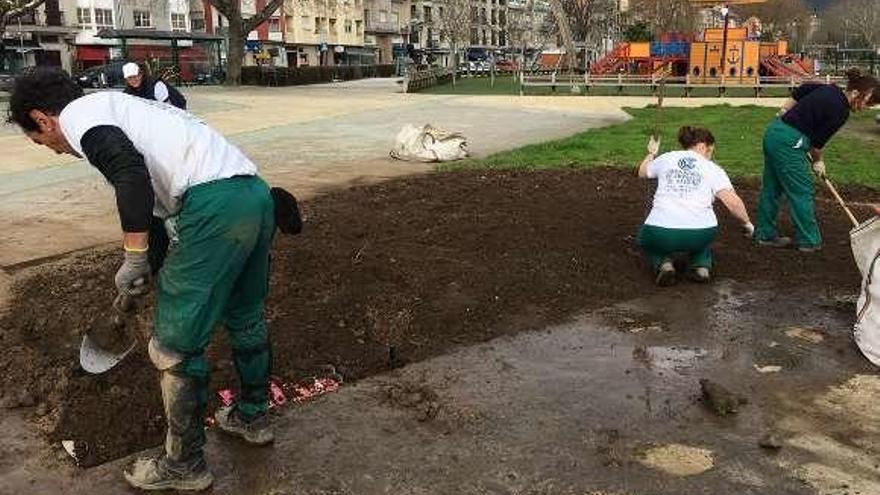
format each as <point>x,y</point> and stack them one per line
<point>430,264</point>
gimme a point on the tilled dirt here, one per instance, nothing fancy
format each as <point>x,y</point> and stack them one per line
<point>385,274</point>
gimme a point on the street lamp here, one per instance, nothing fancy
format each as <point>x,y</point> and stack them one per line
<point>724,13</point>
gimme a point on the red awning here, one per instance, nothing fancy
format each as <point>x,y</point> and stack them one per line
<point>92,53</point>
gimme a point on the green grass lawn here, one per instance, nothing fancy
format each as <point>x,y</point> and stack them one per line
<point>507,85</point>
<point>853,155</point>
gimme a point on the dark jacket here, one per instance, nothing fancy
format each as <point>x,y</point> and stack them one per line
<point>147,91</point>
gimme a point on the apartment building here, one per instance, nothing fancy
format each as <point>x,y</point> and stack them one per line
<point>301,33</point>
<point>386,28</point>
<point>38,37</point>
<point>488,29</point>
<point>92,16</point>
<point>325,32</point>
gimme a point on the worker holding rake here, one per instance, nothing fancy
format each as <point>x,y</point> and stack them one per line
<point>682,220</point>
<point>794,141</point>
<point>165,162</point>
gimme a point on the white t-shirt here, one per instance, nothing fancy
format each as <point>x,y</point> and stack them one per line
<point>160,91</point>
<point>686,187</point>
<point>179,149</point>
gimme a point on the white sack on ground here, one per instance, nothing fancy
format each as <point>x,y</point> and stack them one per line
<point>429,144</point>
<point>865,241</point>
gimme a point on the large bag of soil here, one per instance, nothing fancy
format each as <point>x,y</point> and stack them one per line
<point>865,240</point>
<point>429,144</point>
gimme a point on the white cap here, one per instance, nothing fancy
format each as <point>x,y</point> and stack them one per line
<point>130,69</point>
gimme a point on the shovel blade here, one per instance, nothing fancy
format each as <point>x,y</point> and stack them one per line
<point>95,360</point>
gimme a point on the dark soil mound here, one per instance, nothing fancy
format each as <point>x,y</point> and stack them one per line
<point>418,265</point>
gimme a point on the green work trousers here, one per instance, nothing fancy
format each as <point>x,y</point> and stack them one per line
<point>218,273</point>
<point>660,244</point>
<point>787,172</point>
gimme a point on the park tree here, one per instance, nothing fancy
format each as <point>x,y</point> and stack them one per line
<point>590,20</point>
<point>9,11</point>
<point>665,16</point>
<point>453,22</point>
<point>238,29</point>
<point>584,21</point>
<point>781,19</point>
<point>638,31</point>
<point>854,23</point>
<point>521,28</point>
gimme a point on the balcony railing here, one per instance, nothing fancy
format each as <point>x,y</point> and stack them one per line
<point>382,27</point>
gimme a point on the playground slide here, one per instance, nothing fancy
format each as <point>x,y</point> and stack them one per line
<point>776,66</point>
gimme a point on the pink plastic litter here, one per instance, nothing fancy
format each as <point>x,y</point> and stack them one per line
<point>227,396</point>
<point>279,392</point>
<point>276,393</point>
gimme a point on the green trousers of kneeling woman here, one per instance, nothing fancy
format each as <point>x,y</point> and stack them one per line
<point>661,244</point>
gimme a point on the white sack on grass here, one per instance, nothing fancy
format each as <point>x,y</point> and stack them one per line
<point>865,241</point>
<point>429,144</point>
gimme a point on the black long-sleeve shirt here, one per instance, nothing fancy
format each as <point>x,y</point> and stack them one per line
<point>821,110</point>
<point>114,155</point>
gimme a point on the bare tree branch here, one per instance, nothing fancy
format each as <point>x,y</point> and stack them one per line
<point>9,9</point>
<point>261,16</point>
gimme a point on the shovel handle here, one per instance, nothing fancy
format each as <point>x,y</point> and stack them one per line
<point>834,193</point>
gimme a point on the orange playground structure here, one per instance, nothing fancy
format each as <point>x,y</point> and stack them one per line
<point>744,61</point>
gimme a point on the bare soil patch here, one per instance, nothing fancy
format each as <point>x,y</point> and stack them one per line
<point>386,273</point>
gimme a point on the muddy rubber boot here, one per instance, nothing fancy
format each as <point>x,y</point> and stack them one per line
<point>182,466</point>
<point>666,274</point>
<point>779,242</point>
<point>257,431</point>
<point>161,473</point>
<point>700,275</point>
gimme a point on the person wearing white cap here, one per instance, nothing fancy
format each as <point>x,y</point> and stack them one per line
<point>144,86</point>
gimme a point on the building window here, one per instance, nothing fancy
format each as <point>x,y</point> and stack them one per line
<point>348,26</point>
<point>197,21</point>
<point>395,18</point>
<point>84,17</point>
<point>305,22</point>
<point>383,16</point>
<point>104,18</point>
<point>359,26</point>
<point>274,25</point>
<point>333,27</point>
<point>317,25</point>
<point>178,22</point>
<point>142,19</point>
<point>427,14</point>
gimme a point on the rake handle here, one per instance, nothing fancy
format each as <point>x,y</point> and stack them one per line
<point>834,193</point>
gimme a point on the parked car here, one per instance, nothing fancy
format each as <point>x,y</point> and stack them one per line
<point>6,81</point>
<point>102,76</point>
<point>506,66</point>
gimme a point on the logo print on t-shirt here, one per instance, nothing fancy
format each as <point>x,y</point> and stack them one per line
<point>687,163</point>
<point>685,179</point>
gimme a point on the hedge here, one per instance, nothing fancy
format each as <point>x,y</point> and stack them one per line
<point>293,76</point>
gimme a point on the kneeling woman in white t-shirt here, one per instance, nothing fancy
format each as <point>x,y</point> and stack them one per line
<point>682,220</point>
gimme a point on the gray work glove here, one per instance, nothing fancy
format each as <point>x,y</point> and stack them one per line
<point>654,145</point>
<point>132,276</point>
<point>819,169</point>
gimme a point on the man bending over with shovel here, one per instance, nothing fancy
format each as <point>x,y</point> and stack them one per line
<point>682,220</point>
<point>813,114</point>
<point>165,162</point>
